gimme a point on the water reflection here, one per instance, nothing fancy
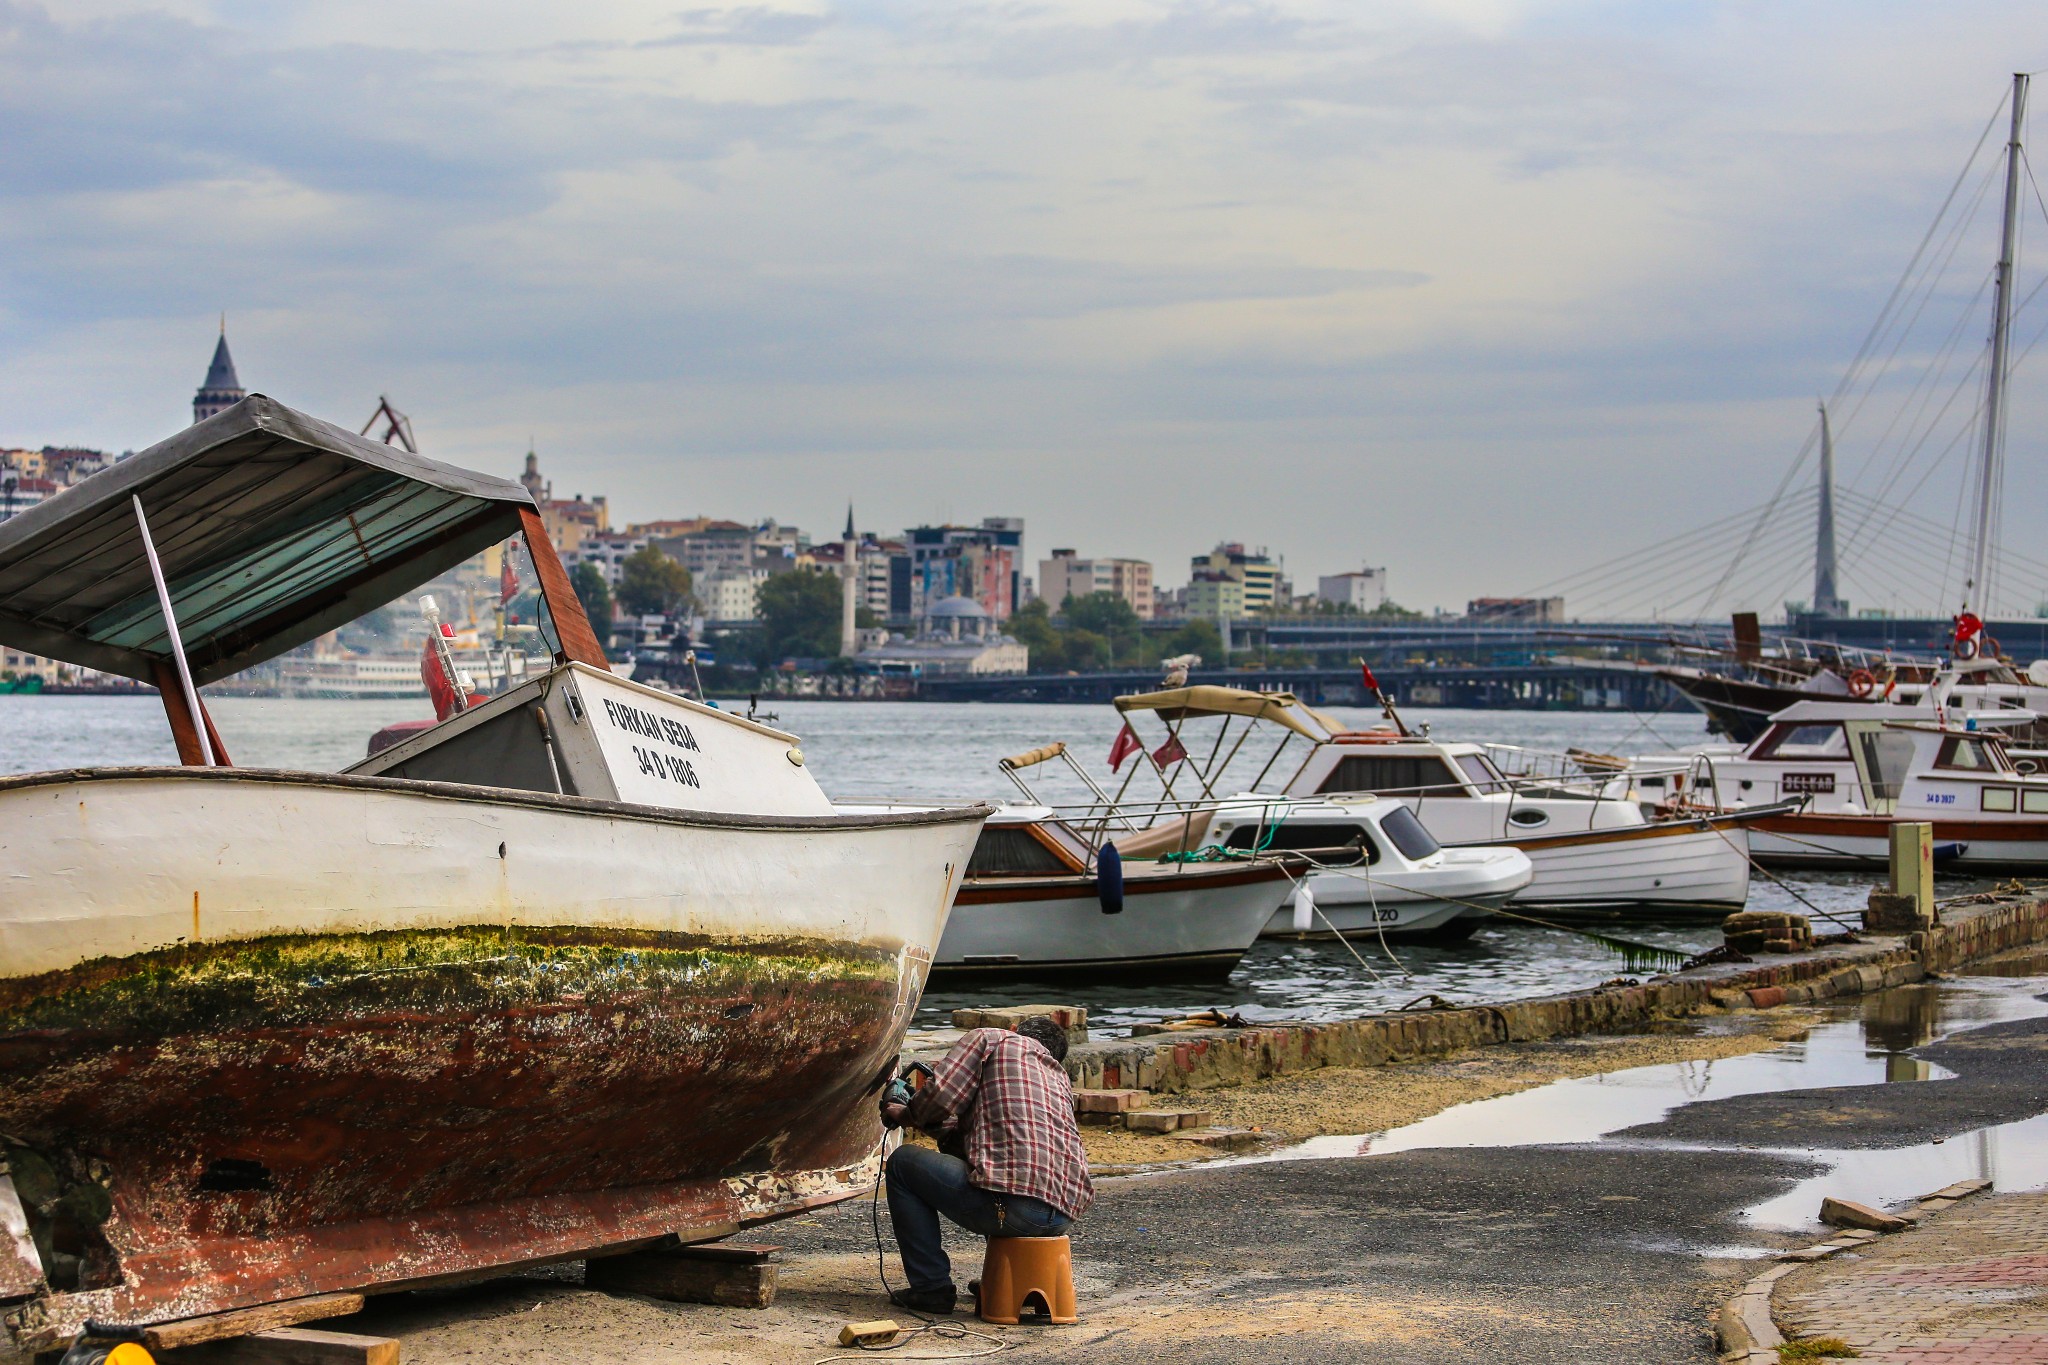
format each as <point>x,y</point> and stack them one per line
<point>1859,1048</point>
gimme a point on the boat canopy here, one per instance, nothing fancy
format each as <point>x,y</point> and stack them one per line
<point>1281,708</point>
<point>273,527</point>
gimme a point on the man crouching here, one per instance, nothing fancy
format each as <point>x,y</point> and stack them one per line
<point>1010,1164</point>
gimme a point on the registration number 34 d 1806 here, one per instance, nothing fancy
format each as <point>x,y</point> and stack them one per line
<point>656,764</point>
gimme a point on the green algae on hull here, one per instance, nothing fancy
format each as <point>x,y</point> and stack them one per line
<point>295,979</point>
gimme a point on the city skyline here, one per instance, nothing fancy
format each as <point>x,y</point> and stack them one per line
<point>1481,292</point>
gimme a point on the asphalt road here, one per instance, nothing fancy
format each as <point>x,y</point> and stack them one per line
<point>1595,1252</point>
<point>1614,1251</point>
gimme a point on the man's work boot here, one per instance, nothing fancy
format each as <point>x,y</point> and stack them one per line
<point>937,1300</point>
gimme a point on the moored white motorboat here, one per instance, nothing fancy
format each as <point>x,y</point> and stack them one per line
<point>1040,900</point>
<point>1595,854</point>
<point>1857,770</point>
<point>1371,868</point>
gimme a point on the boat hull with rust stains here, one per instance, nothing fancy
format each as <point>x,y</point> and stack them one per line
<point>265,1035</point>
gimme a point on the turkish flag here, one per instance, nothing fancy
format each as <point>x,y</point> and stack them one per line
<point>1372,684</point>
<point>1169,752</point>
<point>1127,743</point>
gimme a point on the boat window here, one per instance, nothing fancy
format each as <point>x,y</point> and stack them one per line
<point>1011,851</point>
<point>1887,757</point>
<point>1394,775</point>
<point>1804,741</point>
<point>1298,834</point>
<point>2034,802</point>
<point>1482,774</point>
<point>1415,842</point>
<point>1998,799</point>
<point>1966,753</point>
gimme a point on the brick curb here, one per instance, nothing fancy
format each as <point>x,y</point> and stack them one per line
<point>1744,1327</point>
<point>1207,1059</point>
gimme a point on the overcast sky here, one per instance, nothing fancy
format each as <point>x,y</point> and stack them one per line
<point>1481,291</point>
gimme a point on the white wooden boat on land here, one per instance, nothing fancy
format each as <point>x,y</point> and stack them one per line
<point>1596,855</point>
<point>271,1034</point>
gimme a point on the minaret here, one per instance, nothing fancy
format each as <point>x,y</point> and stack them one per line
<point>540,488</point>
<point>222,390</point>
<point>1825,602</point>
<point>849,588</point>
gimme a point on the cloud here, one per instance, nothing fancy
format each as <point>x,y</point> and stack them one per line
<point>1444,275</point>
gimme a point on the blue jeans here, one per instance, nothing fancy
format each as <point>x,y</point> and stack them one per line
<point>924,1184</point>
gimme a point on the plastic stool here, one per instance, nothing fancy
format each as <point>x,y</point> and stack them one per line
<point>1017,1269</point>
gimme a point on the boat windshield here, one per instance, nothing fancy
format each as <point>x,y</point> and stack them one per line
<point>1393,775</point>
<point>1796,741</point>
<point>1967,753</point>
<point>1479,769</point>
<point>1415,842</point>
<point>1306,835</point>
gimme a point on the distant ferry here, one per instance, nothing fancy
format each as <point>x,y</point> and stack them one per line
<point>364,677</point>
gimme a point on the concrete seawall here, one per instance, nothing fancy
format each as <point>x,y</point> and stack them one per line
<point>1204,1059</point>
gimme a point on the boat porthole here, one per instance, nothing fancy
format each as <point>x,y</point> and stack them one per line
<point>501,850</point>
<point>1658,881</point>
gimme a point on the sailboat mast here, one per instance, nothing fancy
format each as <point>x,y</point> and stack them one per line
<point>1825,601</point>
<point>1977,593</point>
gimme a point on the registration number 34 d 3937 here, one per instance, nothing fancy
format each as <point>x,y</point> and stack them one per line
<point>1939,798</point>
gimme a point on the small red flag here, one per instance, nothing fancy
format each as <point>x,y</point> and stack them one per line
<point>1372,684</point>
<point>1169,752</point>
<point>1127,743</point>
<point>508,581</point>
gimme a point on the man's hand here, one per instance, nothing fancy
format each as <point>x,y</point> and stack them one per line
<point>895,1103</point>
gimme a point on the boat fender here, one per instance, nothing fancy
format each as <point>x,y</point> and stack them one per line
<point>1304,908</point>
<point>1109,879</point>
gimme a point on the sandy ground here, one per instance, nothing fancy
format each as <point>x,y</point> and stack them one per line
<point>829,1275</point>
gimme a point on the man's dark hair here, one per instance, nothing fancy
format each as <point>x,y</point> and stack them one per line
<point>1042,1030</point>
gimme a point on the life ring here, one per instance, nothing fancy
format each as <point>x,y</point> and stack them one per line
<point>1992,650</point>
<point>1860,682</point>
<point>1966,648</point>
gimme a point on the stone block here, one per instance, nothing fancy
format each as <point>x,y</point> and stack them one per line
<point>1767,997</point>
<point>1167,1120</point>
<point>1072,1018</point>
<point>1890,913</point>
<point>1846,1213</point>
<point>1109,1101</point>
<point>1224,1139</point>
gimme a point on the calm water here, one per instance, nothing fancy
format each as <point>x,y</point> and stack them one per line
<point>902,749</point>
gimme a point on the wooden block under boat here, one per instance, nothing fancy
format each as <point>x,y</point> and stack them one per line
<point>168,1336</point>
<point>733,1276</point>
<point>291,1346</point>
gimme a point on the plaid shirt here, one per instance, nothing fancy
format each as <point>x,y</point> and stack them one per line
<point>1016,1108</point>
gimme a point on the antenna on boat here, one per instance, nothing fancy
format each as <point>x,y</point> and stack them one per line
<point>1386,703</point>
<point>1977,592</point>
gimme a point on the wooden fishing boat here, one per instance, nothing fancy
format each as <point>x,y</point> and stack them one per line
<point>582,968</point>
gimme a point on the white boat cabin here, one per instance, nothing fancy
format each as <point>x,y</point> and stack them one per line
<point>1849,759</point>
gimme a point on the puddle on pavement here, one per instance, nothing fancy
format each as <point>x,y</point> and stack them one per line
<point>2012,1156</point>
<point>1866,1044</point>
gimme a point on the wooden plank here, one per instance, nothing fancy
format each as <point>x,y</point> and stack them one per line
<point>168,1336</point>
<point>572,627</point>
<point>291,1346</point>
<point>685,1279</point>
<point>721,1251</point>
